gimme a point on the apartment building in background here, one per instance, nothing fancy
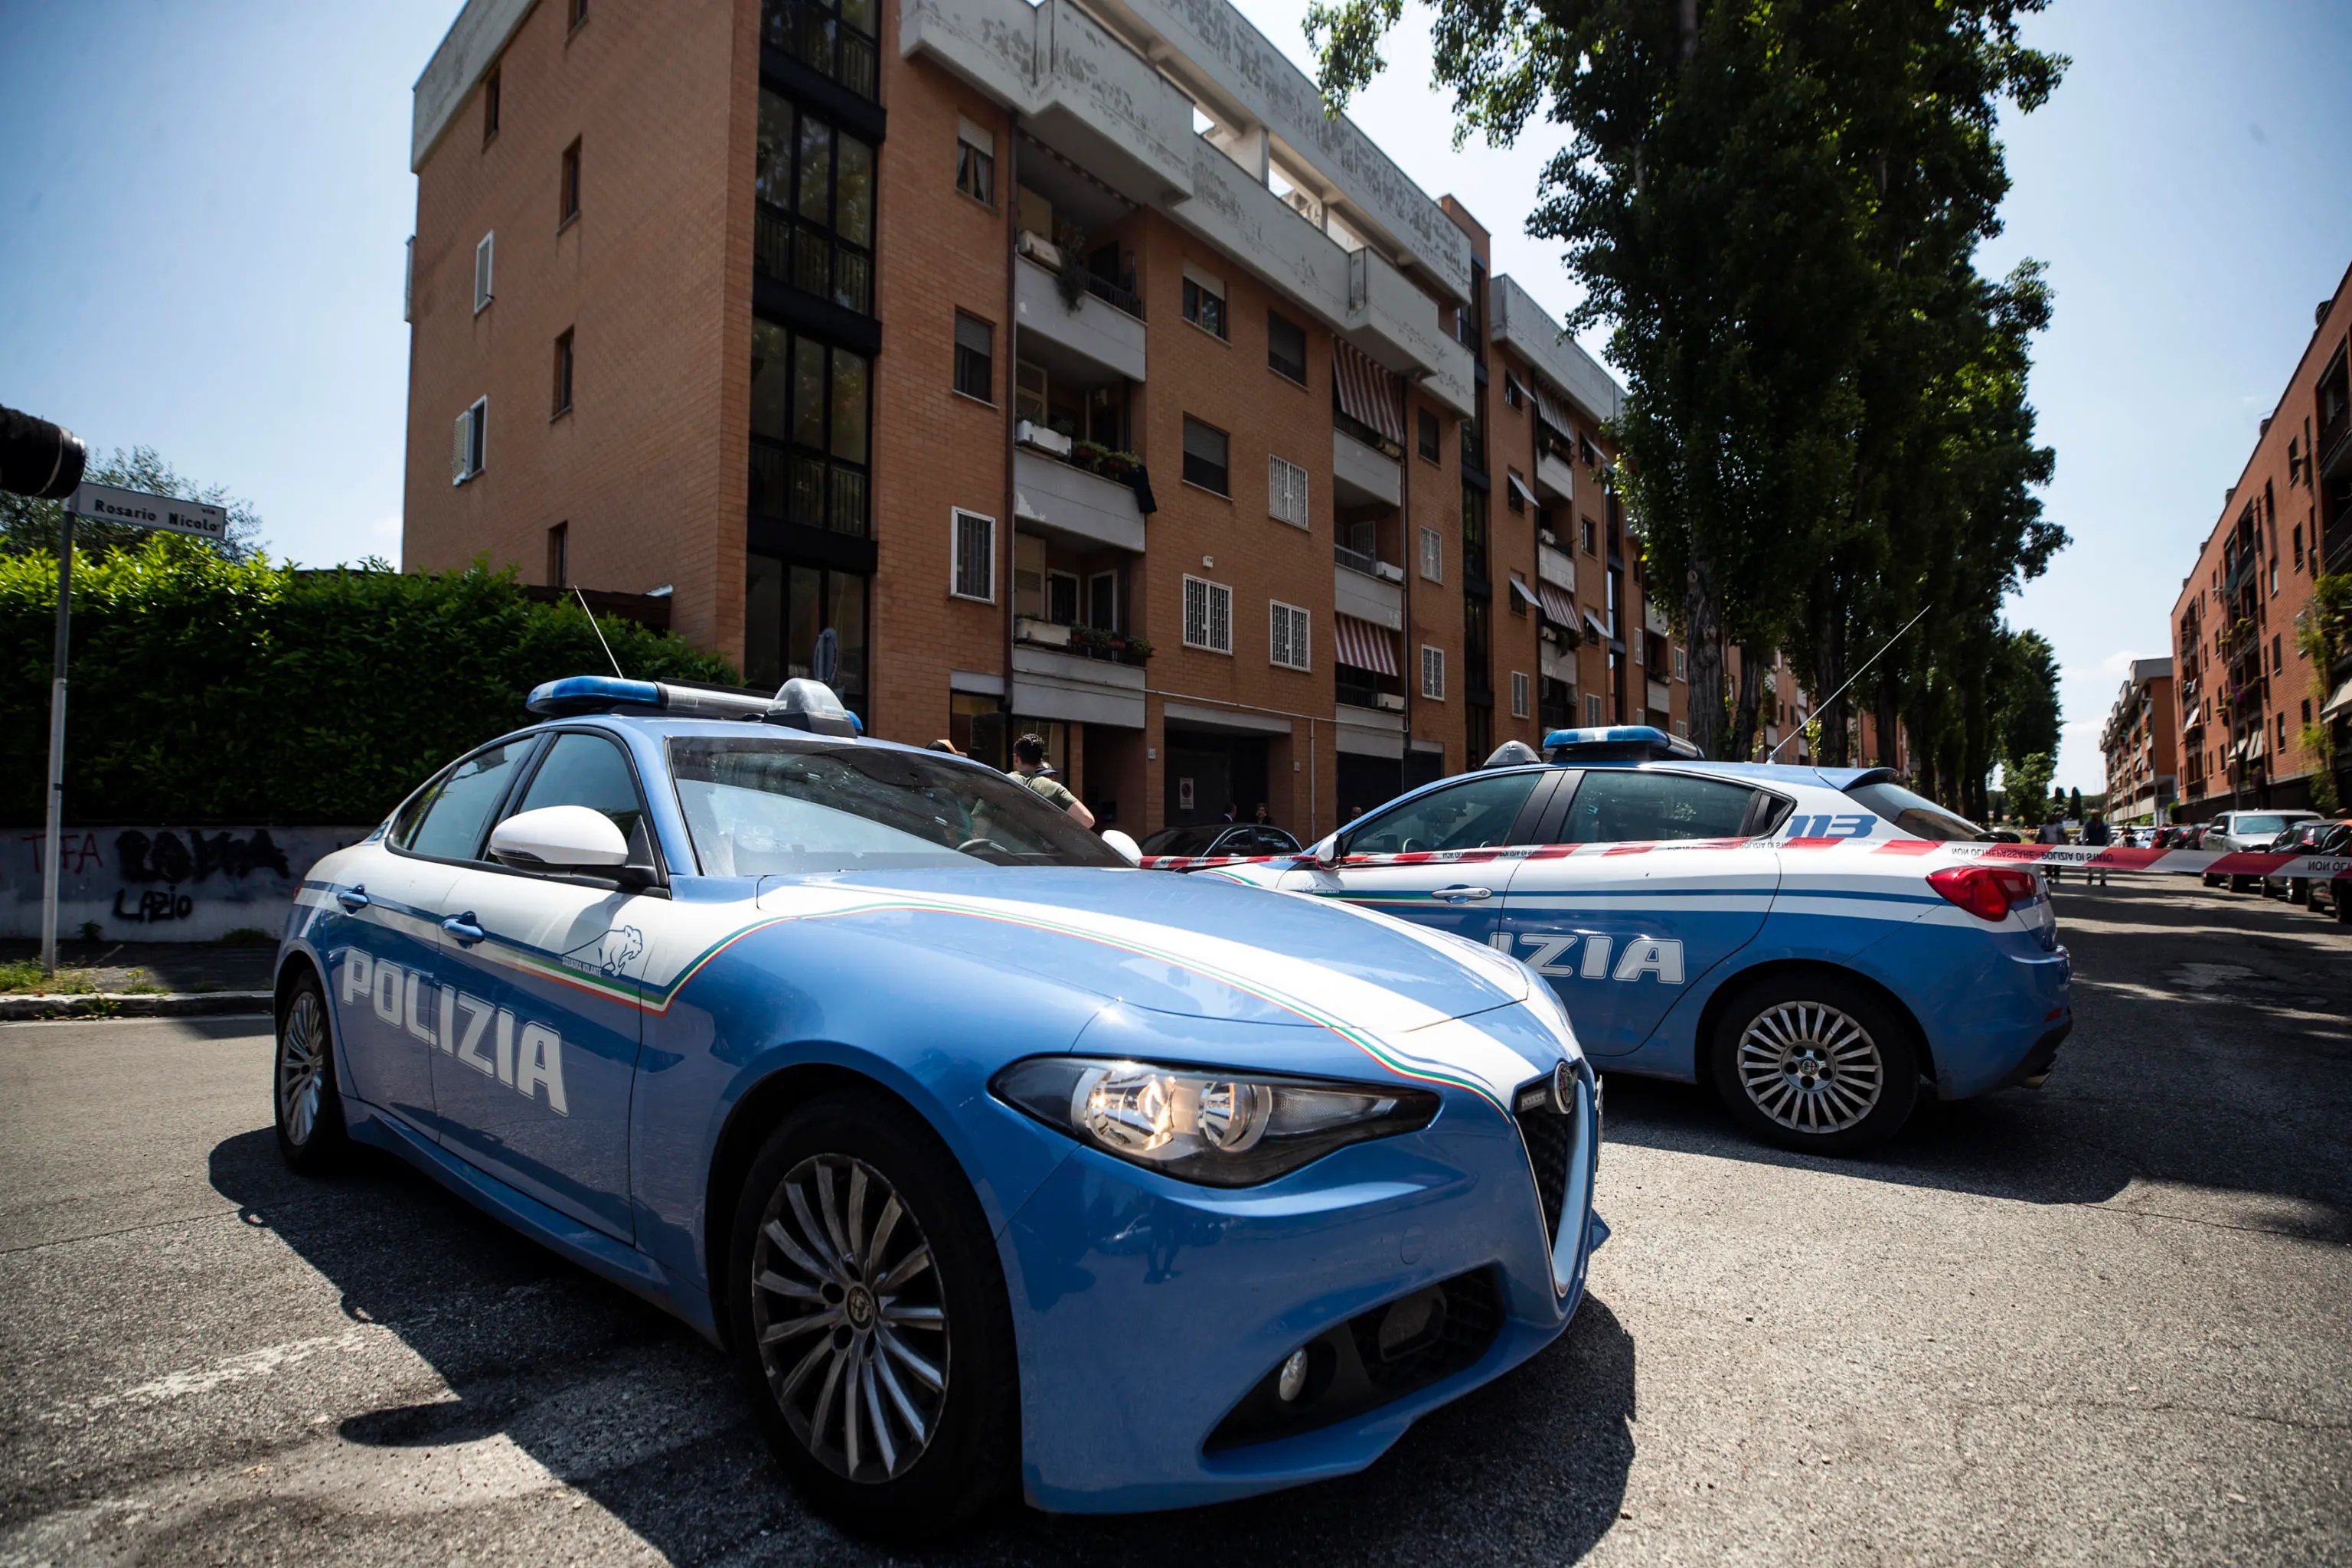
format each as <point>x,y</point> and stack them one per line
<point>1057,367</point>
<point>2140,745</point>
<point>2246,691</point>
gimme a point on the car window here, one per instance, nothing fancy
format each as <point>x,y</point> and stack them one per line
<point>1915,813</point>
<point>1178,841</point>
<point>1476,814</point>
<point>448,818</point>
<point>590,771</point>
<point>2252,825</point>
<point>762,804</point>
<point>1615,805</point>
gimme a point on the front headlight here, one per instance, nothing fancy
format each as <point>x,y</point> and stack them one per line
<point>1218,1127</point>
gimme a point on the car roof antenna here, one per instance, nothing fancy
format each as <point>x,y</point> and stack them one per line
<point>1841,690</point>
<point>597,629</point>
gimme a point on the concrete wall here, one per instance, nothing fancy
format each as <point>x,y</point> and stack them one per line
<point>164,884</point>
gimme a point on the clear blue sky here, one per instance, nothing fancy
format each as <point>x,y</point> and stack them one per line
<point>203,211</point>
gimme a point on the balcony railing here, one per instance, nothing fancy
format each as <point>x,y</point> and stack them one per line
<point>1364,561</point>
<point>818,37</point>
<point>814,262</point>
<point>803,488</point>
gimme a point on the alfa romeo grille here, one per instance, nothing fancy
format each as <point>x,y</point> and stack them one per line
<point>1548,1134</point>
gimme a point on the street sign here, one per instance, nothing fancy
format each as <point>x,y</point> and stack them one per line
<point>142,511</point>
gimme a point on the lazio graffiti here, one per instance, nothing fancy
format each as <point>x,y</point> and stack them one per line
<point>164,884</point>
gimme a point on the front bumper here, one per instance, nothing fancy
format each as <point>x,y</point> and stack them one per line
<point>1151,1314</point>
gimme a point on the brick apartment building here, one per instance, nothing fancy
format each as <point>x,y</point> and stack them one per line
<point>1064,363</point>
<point>2141,745</point>
<point>2245,690</point>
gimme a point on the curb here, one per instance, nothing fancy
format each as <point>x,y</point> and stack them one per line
<point>132,1005</point>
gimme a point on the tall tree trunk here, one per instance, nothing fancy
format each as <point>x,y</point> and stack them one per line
<point>1752,667</point>
<point>1882,720</point>
<point>1703,624</point>
<point>1829,668</point>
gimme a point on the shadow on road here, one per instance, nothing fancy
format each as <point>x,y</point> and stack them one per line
<point>1534,1465</point>
<point>2213,1048</point>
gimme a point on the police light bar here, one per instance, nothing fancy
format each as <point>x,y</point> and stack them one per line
<point>1619,743</point>
<point>578,694</point>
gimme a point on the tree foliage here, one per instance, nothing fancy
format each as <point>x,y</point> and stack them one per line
<point>1775,205</point>
<point>29,527</point>
<point>210,690</point>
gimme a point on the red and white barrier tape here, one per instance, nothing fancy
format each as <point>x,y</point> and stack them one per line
<point>2049,857</point>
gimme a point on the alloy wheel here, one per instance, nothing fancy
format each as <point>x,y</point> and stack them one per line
<point>1810,1068</point>
<point>850,1319</point>
<point>302,1067</point>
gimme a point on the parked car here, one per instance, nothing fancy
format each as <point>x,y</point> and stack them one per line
<point>2247,830</point>
<point>1214,840</point>
<point>991,1160</point>
<point>2334,893</point>
<point>2303,840</point>
<point>1796,938</point>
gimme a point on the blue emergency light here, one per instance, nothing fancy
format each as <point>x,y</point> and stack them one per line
<point>801,704</point>
<point>1619,743</point>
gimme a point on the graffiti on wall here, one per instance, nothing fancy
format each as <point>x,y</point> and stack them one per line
<point>165,883</point>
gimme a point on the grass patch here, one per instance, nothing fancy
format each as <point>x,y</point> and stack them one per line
<point>24,976</point>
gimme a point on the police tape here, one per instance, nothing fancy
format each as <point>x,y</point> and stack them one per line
<point>2045,856</point>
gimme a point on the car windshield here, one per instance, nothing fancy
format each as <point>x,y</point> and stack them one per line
<point>1915,814</point>
<point>2253,826</point>
<point>765,805</point>
<point>1181,840</point>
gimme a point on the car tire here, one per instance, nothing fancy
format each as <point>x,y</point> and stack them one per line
<point>305,1094</point>
<point>930,1363</point>
<point>2245,884</point>
<point>1812,1061</point>
<point>2341,905</point>
<point>2298,891</point>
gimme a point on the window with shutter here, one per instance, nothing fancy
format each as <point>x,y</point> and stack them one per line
<point>1433,555</point>
<point>466,455</point>
<point>482,256</point>
<point>1221,617</point>
<point>1285,486</point>
<point>1433,673</point>
<point>1287,632</point>
<point>975,557</point>
<point>1519,694</point>
<point>1205,454</point>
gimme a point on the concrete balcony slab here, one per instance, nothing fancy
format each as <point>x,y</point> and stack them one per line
<point>1373,599</point>
<point>1361,476</point>
<point>1368,731</point>
<point>1075,689</point>
<point>1556,567</point>
<point>1050,494</point>
<point>1098,333</point>
<point>1555,478</point>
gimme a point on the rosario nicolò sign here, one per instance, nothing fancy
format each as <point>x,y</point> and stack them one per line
<point>142,511</point>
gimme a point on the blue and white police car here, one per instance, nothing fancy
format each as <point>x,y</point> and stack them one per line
<point>1818,944</point>
<point>991,1159</point>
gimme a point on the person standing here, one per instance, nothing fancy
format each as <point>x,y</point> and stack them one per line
<point>2096,832</point>
<point>2052,832</point>
<point>1029,767</point>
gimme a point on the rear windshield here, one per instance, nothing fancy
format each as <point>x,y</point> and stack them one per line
<point>1915,814</point>
<point>758,805</point>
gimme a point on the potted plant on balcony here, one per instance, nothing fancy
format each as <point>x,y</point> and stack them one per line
<point>1070,278</point>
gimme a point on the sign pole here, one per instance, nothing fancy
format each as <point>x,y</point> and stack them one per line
<point>49,842</point>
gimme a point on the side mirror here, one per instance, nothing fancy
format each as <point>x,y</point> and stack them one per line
<point>560,838</point>
<point>1128,848</point>
<point>1328,853</point>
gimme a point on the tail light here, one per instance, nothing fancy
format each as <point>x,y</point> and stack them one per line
<point>1987,892</point>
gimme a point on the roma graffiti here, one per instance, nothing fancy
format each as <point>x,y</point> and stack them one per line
<point>164,884</point>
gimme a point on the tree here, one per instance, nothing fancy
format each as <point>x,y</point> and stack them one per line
<point>29,527</point>
<point>2026,781</point>
<point>1775,206</point>
<point>2074,805</point>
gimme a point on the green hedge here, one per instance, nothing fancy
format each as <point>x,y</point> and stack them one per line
<point>208,690</point>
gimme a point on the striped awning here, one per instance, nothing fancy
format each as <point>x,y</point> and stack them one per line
<point>1367,391</point>
<point>1360,645</point>
<point>1558,607</point>
<point>1548,410</point>
<point>2339,701</point>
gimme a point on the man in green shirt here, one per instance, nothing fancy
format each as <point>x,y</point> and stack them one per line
<point>1028,766</point>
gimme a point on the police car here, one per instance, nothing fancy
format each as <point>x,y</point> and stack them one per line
<point>991,1159</point>
<point>1819,945</point>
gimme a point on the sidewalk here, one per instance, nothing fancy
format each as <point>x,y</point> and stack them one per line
<point>128,978</point>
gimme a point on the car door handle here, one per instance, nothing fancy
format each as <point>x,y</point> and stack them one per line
<point>463,928</point>
<point>352,899</point>
<point>1461,894</point>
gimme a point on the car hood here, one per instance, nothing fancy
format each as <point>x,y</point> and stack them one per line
<point>1184,945</point>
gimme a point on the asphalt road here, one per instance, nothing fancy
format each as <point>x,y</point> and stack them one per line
<point>2105,1322</point>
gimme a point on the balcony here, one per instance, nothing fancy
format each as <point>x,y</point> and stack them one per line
<point>1363,476</point>
<point>1080,91</point>
<point>792,486</point>
<point>1532,331</point>
<point>1395,322</point>
<point>1555,477</point>
<point>1109,339</point>
<point>1654,620</point>
<point>1051,683</point>
<point>1059,497</point>
<point>1556,566</point>
<point>1366,728</point>
<point>1661,698</point>
<point>1367,589</point>
<point>812,261</point>
<point>1556,663</point>
<point>818,37</point>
